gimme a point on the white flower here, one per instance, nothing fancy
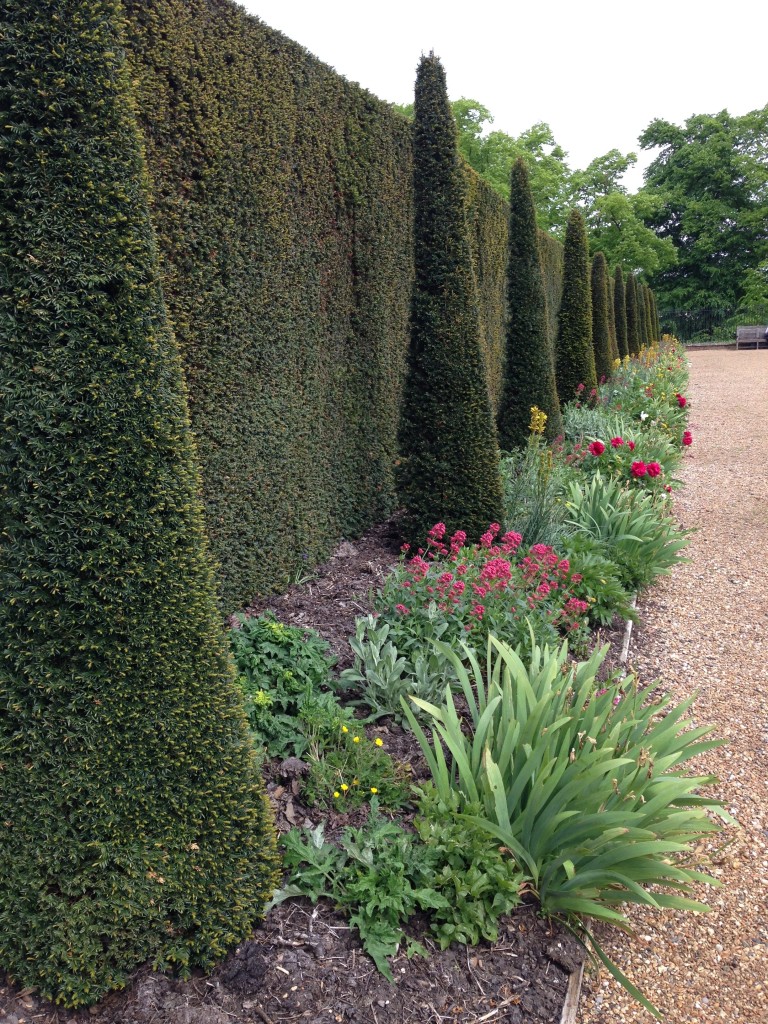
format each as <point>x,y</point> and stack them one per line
<point>643,415</point>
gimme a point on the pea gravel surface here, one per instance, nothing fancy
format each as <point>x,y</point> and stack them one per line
<point>704,630</point>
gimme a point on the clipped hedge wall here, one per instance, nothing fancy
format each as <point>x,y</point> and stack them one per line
<point>282,199</point>
<point>135,825</point>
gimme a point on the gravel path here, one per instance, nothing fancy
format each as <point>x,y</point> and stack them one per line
<point>705,629</point>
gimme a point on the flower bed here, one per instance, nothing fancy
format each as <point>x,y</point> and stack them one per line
<point>532,729</point>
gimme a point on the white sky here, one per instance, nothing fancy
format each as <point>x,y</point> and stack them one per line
<point>597,71</point>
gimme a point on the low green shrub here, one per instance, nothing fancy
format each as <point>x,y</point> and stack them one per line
<point>633,528</point>
<point>583,783</point>
<point>597,580</point>
<point>396,658</point>
<point>534,479</point>
<point>380,875</point>
<point>284,673</point>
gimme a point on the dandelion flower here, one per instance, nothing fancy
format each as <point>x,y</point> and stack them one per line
<point>374,790</point>
<point>336,794</point>
<point>379,741</point>
<point>355,739</point>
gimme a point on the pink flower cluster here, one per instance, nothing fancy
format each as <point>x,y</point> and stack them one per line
<point>483,583</point>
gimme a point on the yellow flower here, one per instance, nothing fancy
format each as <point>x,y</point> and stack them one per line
<point>379,742</point>
<point>336,794</point>
<point>355,782</point>
<point>538,420</point>
<point>355,739</point>
<point>374,790</point>
<point>344,728</point>
<point>344,787</point>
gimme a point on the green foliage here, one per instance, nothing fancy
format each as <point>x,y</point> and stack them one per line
<point>632,527</point>
<point>601,584</point>
<point>706,192</point>
<point>582,783</point>
<point>381,875</point>
<point>135,824</point>
<point>534,483</point>
<point>448,464</point>
<point>620,312</point>
<point>601,335</point>
<point>394,658</point>
<point>283,671</point>
<point>616,228</point>
<point>574,355</point>
<point>529,378</point>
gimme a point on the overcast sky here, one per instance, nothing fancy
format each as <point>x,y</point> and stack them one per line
<point>597,71</point>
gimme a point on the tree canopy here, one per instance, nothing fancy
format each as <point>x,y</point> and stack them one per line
<point>706,192</point>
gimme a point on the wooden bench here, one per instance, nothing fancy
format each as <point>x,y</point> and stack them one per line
<point>747,335</point>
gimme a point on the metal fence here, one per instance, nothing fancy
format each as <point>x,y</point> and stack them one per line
<point>710,325</point>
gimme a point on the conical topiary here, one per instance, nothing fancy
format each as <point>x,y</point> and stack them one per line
<point>651,335</point>
<point>449,455</point>
<point>574,356</point>
<point>656,321</point>
<point>601,335</point>
<point>612,319</point>
<point>633,323</point>
<point>642,326</point>
<point>620,312</point>
<point>135,826</point>
<point>529,377</point>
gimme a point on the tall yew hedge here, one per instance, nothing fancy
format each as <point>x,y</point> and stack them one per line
<point>634,343</point>
<point>642,314</point>
<point>601,332</point>
<point>283,202</point>
<point>620,312</point>
<point>449,457</point>
<point>529,377</point>
<point>134,823</point>
<point>574,355</point>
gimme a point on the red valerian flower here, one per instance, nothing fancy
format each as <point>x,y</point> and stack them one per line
<point>638,469</point>
<point>653,469</point>
<point>631,445</point>
<point>687,438</point>
<point>681,401</point>
<point>596,448</point>
<point>617,442</point>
